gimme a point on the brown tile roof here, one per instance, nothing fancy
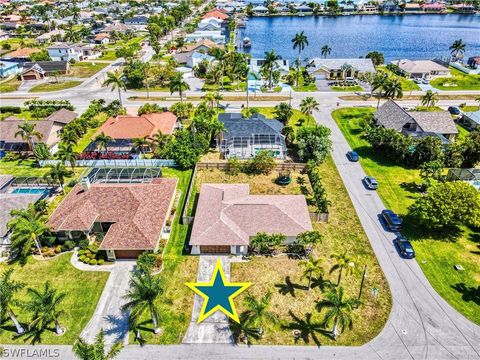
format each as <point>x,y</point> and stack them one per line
<point>216,14</point>
<point>101,36</point>
<point>130,126</point>
<point>203,42</point>
<point>137,211</point>
<point>439,122</point>
<point>9,127</point>
<point>228,215</point>
<point>63,116</point>
<point>21,53</point>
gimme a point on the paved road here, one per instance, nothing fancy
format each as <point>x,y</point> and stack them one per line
<point>215,329</point>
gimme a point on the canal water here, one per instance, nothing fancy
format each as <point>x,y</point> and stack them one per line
<point>397,37</point>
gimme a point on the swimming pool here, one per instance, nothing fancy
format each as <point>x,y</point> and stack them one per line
<point>42,191</point>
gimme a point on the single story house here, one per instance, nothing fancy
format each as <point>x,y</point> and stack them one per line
<point>412,8</point>
<point>42,69</point>
<point>117,27</point>
<point>228,216</point>
<point>367,8</point>
<point>54,35</point>
<point>416,123</point>
<point>201,46</point>
<point>216,13</point>
<point>131,216</point>
<point>474,62</point>
<point>255,65</point>
<point>50,130</point>
<point>214,36</point>
<point>260,10</point>
<point>427,69</point>
<point>244,138</point>
<point>138,20</point>
<point>197,57</point>
<point>8,68</point>
<point>102,38</point>
<point>124,128</point>
<point>20,55</point>
<point>471,120</point>
<point>76,52</point>
<point>333,69</point>
<point>209,26</point>
<point>434,8</point>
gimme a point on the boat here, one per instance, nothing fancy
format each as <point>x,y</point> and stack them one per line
<point>247,42</point>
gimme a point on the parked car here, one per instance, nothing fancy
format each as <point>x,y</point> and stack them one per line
<point>425,81</point>
<point>353,156</point>
<point>417,80</point>
<point>404,247</point>
<point>454,110</point>
<point>393,221</point>
<point>370,182</point>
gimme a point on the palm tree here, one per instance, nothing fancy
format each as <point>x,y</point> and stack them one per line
<point>478,100</point>
<point>457,48</point>
<point>69,137</point>
<point>146,79</point>
<point>8,289</point>
<point>345,68</point>
<point>102,140</point>
<point>343,261</point>
<point>310,267</point>
<point>144,291</point>
<point>326,50</point>
<point>177,84</point>
<point>258,310</point>
<point>27,132</point>
<point>339,310</point>
<point>27,227</point>
<point>379,83</point>
<point>270,65</point>
<point>96,351</point>
<point>58,172</point>
<point>66,153</point>
<point>140,144</point>
<point>300,40</point>
<point>210,99</point>
<point>429,99</point>
<point>44,305</point>
<point>159,140</point>
<point>115,81</point>
<point>308,105</point>
<point>393,89</point>
<point>289,134</point>
<point>244,331</point>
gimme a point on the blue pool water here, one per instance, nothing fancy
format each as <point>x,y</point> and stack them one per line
<point>409,36</point>
<point>29,191</point>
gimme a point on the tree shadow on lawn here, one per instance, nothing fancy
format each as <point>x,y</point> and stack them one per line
<point>289,288</point>
<point>417,232</point>
<point>469,293</point>
<point>306,329</point>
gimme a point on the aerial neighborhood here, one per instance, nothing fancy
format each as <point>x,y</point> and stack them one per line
<point>311,170</point>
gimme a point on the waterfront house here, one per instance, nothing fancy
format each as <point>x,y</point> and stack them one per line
<point>434,8</point>
<point>427,69</point>
<point>214,36</point>
<point>464,8</point>
<point>416,123</point>
<point>281,65</point>
<point>130,217</point>
<point>41,69</point>
<point>216,13</point>
<point>76,52</point>
<point>244,138</point>
<point>8,68</point>
<point>228,216</point>
<point>302,8</point>
<point>412,8</point>
<point>474,62</point>
<point>260,10</point>
<point>209,26</point>
<point>334,69</point>
<point>390,6</point>
<point>471,120</point>
<point>366,8</point>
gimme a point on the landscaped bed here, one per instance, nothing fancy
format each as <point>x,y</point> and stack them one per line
<point>83,291</point>
<point>55,86</point>
<point>458,81</point>
<point>436,254</point>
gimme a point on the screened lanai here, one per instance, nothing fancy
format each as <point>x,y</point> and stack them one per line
<point>124,174</point>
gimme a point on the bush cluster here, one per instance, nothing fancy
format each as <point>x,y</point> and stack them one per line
<point>97,155</point>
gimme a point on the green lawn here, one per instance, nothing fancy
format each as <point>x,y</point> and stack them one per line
<point>10,85</point>
<point>346,88</point>
<point>21,168</point>
<point>462,132</point>
<point>305,88</point>
<point>458,81</point>
<point>86,139</point>
<point>228,85</point>
<point>296,121</point>
<point>86,69</point>
<point>55,86</point>
<point>470,108</point>
<point>83,289</point>
<point>436,255</point>
<point>175,305</point>
<point>407,84</point>
<point>108,55</point>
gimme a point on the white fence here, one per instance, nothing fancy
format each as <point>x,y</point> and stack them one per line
<point>115,163</point>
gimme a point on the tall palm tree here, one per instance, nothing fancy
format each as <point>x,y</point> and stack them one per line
<point>159,140</point>
<point>258,310</point>
<point>69,137</point>
<point>308,105</point>
<point>177,84</point>
<point>144,291</point>
<point>429,99</point>
<point>27,132</point>
<point>300,40</point>
<point>96,351</point>
<point>310,267</point>
<point>393,89</point>
<point>339,310</point>
<point>326,50</point>
<point>115,81</point>
<point>457,48</point>
<point>342,261</point>
<point>270,65</point>
<point>210,99</point>
<point>379,83</point>
<point>345,69</point>
<point>140,144</point>
<point>44,304</point>
<point>289,134</point>
<point>102,140</point>
<point>58,172</point>
<point>244,331</point>
<point>8,289</point>
<point>27,228</point>
<point>66,153</point>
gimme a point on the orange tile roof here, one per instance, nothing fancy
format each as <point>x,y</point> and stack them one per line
<point>137,211</point>
<point>216,14</point>
<point>131,127</point>
<point>22,53</point>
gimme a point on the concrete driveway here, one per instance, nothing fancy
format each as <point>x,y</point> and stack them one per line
<point>107,314</point>
<point>215,329</point>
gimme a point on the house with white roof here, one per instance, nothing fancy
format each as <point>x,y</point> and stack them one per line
<point>337,69</point>
<point>427,69</point>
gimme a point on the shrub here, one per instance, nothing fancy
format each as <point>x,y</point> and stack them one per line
<point>93,262</point>
<point>234,166</point>
<point>158,261</point>
<point>69,244</point>
<point>58,249</point>
<point>262,163</point>
<point>93,248</point>
<point>81,258</point>
<point>81,252</point>
<point>10,109</point>
<point>83,244</point>
<point>11,156</point>
<point>100,262</point>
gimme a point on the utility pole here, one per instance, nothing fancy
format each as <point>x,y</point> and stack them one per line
<point>363,280</point>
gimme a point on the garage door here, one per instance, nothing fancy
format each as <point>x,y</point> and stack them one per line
<point>127,254</point>
<point>29,77</point>
<point>215,249</point>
